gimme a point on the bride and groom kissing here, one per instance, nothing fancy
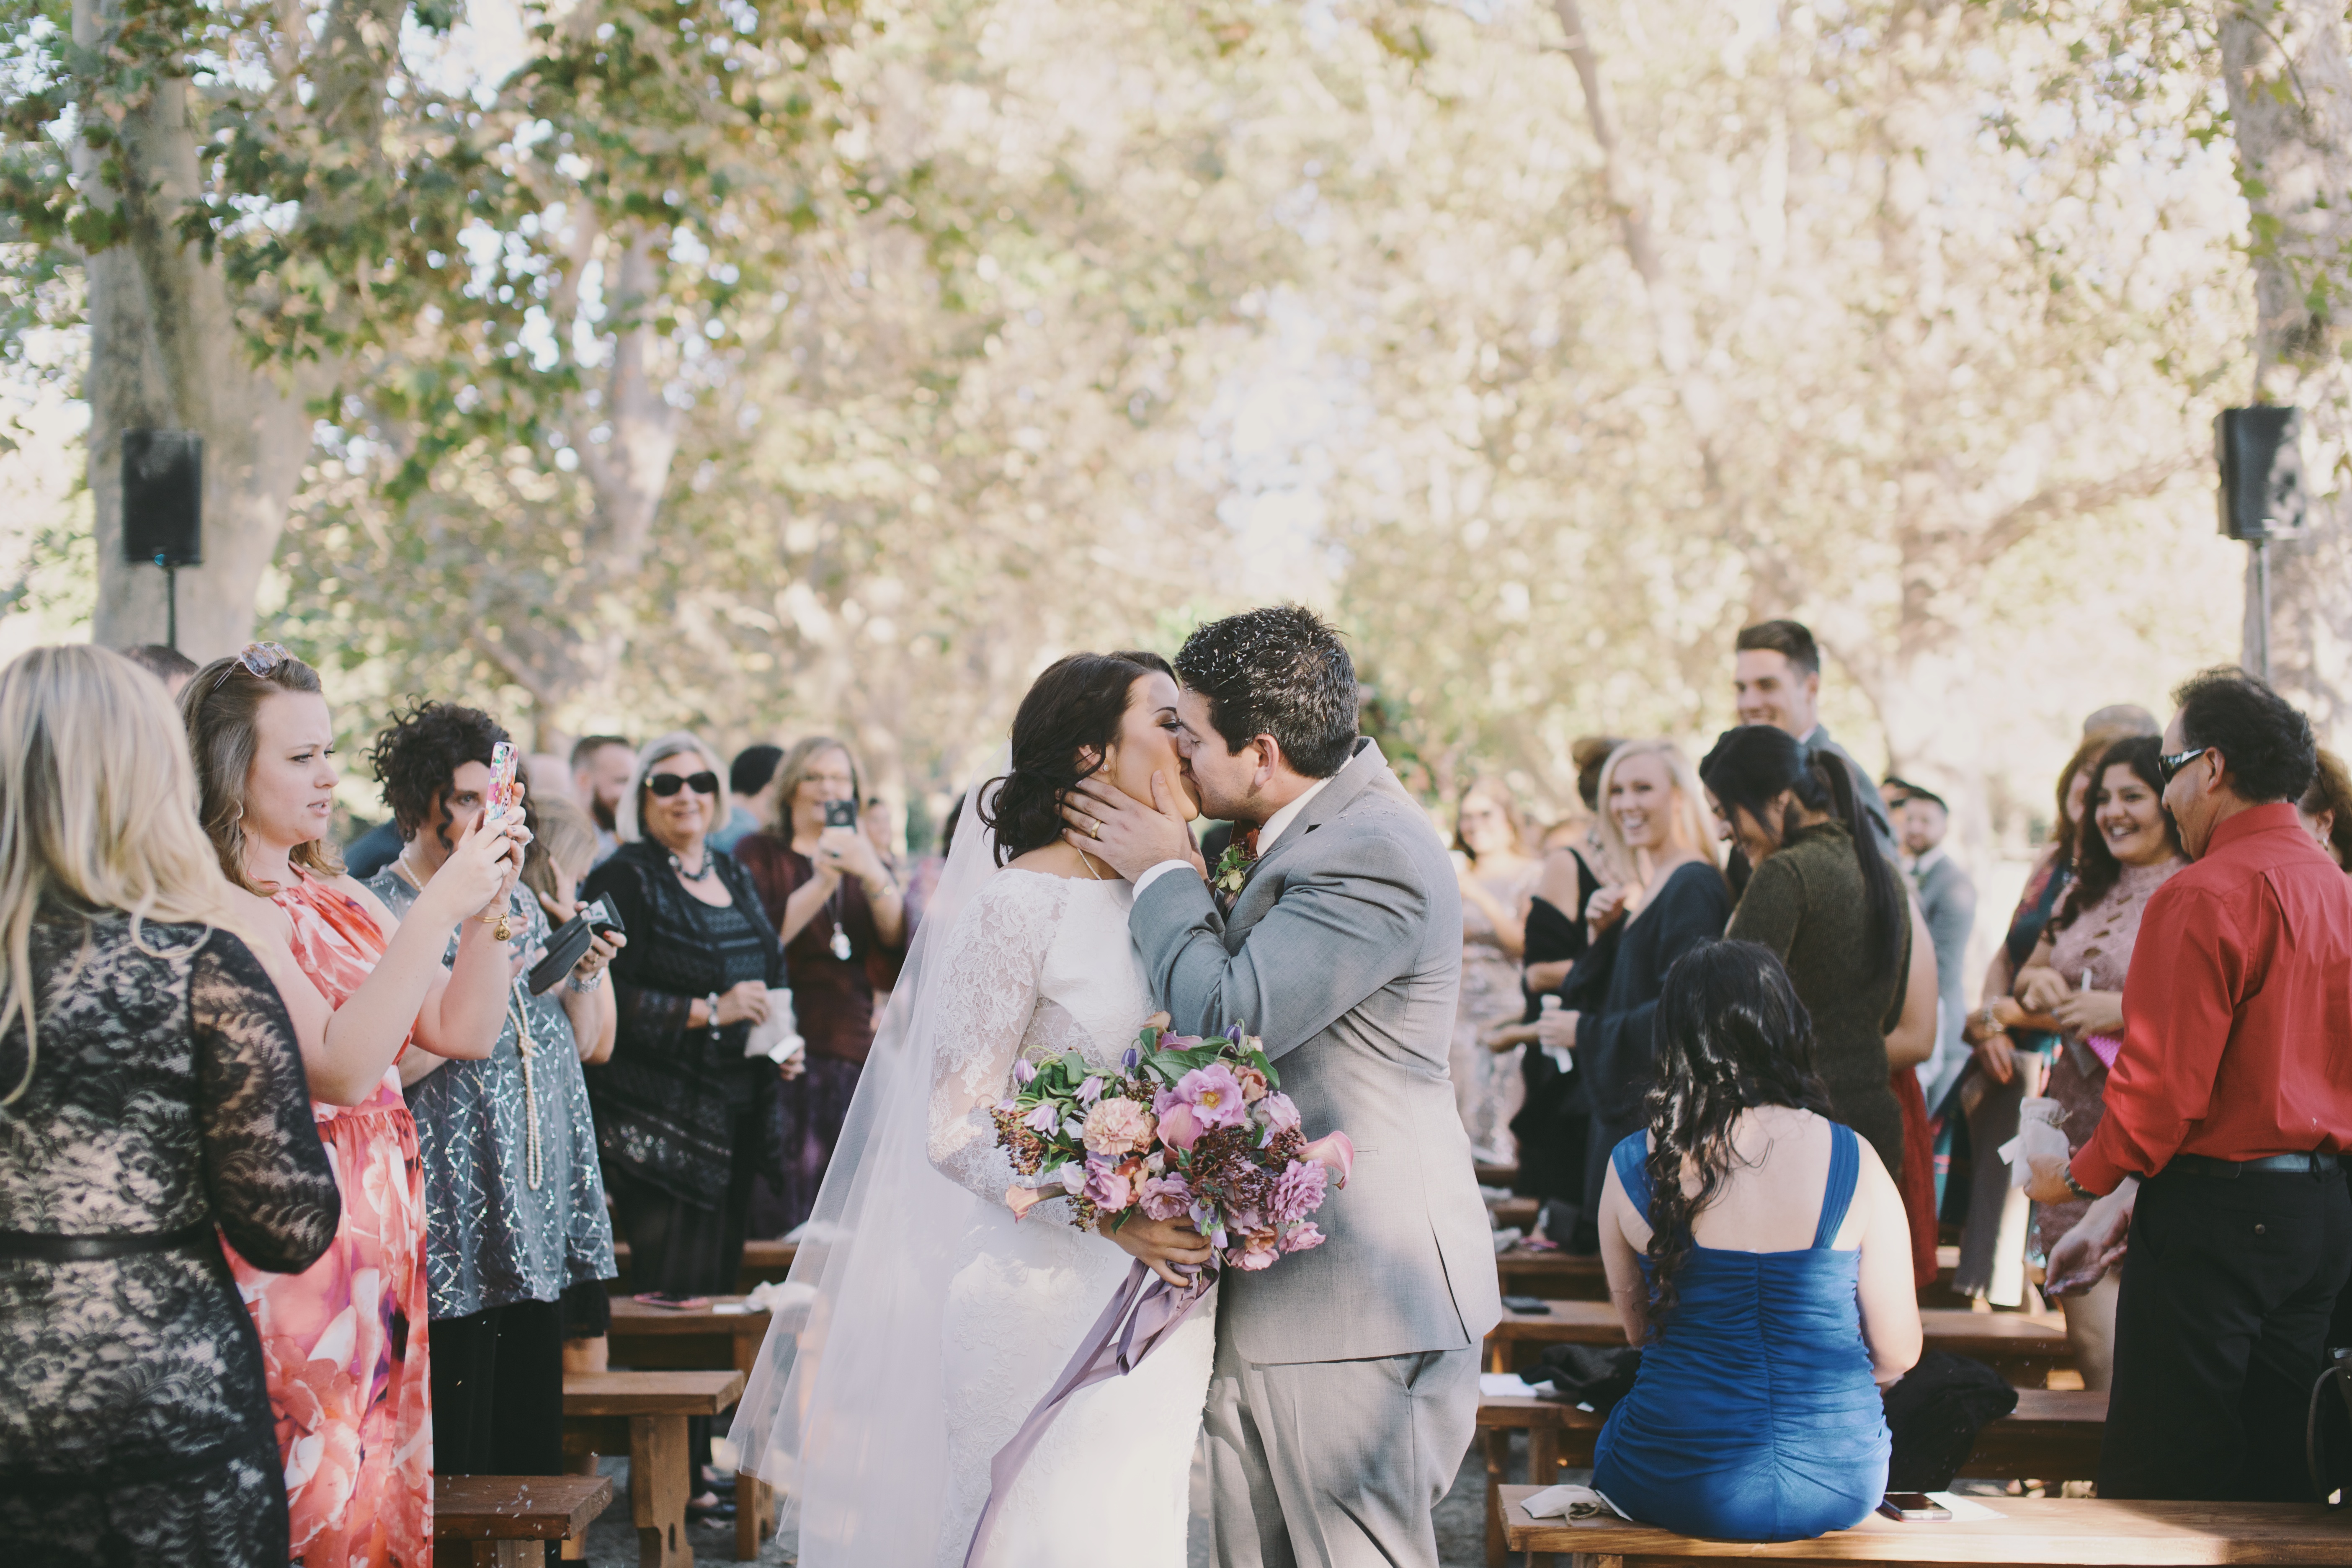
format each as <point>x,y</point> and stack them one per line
<point>1338,1389</point>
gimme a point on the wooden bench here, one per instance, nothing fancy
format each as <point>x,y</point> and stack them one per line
<point>762,1261</point>
<point>2034,1532</point>
<point>702,1339</point>
<point>2022,1349</point>
<point>2053,1434</point>
<point>644,1416</point>
<point>505,1522</point>
<point>1559,1276</point>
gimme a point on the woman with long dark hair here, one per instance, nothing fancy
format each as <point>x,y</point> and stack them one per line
<point>936,1330</point>
<point>2076,977</point>
<point>1824,897</point>
<point>1761,1254</point>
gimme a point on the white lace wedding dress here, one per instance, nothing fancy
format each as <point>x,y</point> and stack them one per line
<point>1035,967</point>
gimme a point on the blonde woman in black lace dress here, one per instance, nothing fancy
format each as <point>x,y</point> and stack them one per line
<point>154,1102</point>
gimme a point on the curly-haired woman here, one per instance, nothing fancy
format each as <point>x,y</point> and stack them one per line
<point>1759,1252</point>
<point>348,1363</point>
<point>514,1200</point>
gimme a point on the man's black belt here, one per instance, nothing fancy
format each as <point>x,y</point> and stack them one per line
<point>43,1248</point>
<point>2312,1165</point>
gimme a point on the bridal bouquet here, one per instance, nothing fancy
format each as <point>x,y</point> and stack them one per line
<point>1186,1128</point>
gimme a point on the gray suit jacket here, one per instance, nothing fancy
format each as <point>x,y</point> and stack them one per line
<point>1344,951</point>
<point>1947,898</point>
<point>1874,804</point>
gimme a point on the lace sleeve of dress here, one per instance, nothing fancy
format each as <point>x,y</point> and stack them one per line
<point>988,991</point>
<point>265,1172</point>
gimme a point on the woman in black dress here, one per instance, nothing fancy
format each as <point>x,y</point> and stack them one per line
<point>1654,825</point>
<point>679,1108</point>
<point>156,1103</point>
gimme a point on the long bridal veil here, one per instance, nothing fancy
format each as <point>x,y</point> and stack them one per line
<point>845,1412</point>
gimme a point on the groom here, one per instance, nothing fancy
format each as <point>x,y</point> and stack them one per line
<point>1346,1389</point>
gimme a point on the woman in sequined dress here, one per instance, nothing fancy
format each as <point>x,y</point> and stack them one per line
<point>2076,976</point>
<point>514,1202</point>
<point>1495,874</point>
<point>347,1363</point>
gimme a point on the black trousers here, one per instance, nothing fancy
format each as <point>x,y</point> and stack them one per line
<point>2226,1294</point>
<point>498,1392</point>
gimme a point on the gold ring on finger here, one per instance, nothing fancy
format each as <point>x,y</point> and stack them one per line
<point>1096,829</point>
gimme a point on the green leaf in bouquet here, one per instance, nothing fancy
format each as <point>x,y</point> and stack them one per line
<point>1076,1067</point>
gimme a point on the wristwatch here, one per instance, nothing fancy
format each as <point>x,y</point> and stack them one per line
<point>711,1002</point>
<point>2078,1189</point>
<point>1990,1019</point>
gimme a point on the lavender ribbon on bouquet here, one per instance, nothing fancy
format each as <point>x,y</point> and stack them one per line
<point>1143,1313</point>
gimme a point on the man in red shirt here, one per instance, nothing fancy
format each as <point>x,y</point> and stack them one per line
<point>2226,1110</point>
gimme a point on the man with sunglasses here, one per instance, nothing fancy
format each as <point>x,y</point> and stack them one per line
<point>2229,1106</point>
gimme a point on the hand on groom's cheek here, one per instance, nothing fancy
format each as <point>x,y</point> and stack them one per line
<point>1129,837</point>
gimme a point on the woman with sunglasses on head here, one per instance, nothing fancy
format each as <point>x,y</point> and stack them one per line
<point>679,1108</point>
<point>842,919</point>
<point>344,1340</point>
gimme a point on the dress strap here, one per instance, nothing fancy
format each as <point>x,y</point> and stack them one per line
<point>1632,1158</point>
<point>1845,1166</point>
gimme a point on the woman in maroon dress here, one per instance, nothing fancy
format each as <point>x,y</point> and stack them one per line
<point>843,920</point>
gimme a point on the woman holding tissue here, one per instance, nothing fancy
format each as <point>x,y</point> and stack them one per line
<point>680,1110</point>
<point>842,919</point>
<point>2076,977</point>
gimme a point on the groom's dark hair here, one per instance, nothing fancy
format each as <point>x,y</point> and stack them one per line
<point>1279,671</point>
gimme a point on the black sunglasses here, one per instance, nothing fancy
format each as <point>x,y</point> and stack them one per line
<point>668,784</point>
<point>2168,766</point>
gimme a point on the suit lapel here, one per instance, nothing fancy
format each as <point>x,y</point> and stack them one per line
<point>1355,777</point>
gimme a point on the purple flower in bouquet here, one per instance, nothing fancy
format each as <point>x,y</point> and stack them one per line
<point>1105,1188</point>
<point>1090,1091</point>
<point>1299,1237</point>
<point>1277,1114</point>
<point>1025,1073</point>
<point>1042,1120</point>
<point>1165,1197</point>
<point>1179,1128</point>
<point>1118,1126</point>
<point>1214,1093</point>
<point>1298,1191</point>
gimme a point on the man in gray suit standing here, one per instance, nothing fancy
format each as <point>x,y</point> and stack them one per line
<point>1346,1388</point>
<point>1776,680</point>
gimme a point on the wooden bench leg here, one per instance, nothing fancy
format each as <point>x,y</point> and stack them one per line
<point>755,1514</point>
<point>657,1493</point>
<point>1498,1443</point>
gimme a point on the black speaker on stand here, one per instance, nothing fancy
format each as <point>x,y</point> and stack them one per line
<point>164,508</point>
<point>2261,498</point>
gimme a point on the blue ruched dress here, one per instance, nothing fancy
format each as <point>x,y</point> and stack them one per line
<point>1754,1416</point>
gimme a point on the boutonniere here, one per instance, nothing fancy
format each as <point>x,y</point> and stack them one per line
<point>1233,866</point>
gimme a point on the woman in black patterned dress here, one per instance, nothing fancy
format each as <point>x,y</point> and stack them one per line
<point>156,1101</point>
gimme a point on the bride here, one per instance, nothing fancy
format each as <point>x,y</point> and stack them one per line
<point>927,1322</point>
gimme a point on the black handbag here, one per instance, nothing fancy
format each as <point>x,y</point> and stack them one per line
<point>1935,1413</point>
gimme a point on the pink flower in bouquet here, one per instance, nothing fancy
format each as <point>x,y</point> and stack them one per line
<point>1106,1188</point>
<point>1179,1128</point>
<point>1252,1083</point>
<point>1118,1126</point>
<point>1335,1150</point>
<point>1277,1113</point>
<point>1165,1197</point>
<point>1215,1096</point>
<point>1298,1192</point>
<point>1300,1237</point>
<point>1021,1200</point>
<point>1258,1251</point>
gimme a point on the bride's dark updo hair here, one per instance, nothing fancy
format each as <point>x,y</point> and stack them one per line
<point>1076,706</point>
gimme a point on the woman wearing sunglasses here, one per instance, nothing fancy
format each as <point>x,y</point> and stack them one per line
<point>678,1106</point>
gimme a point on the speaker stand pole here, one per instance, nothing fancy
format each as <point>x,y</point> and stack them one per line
<point>171,603</point>
<point>2261,638</point>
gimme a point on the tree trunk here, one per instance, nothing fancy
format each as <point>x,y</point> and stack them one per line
<point>165,352</point>
<point>2290,88</point>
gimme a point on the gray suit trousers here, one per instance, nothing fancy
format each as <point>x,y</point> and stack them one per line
<point>1355,1452</point>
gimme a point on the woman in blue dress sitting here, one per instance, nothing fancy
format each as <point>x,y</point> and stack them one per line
<point>1759,1253</point>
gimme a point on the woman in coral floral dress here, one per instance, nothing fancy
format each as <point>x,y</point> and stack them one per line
<point>343,1342</point>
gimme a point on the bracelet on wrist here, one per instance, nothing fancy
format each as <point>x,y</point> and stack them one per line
<point>501,924</point>
<point>2078,1189</point>
<point>583,987</point>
